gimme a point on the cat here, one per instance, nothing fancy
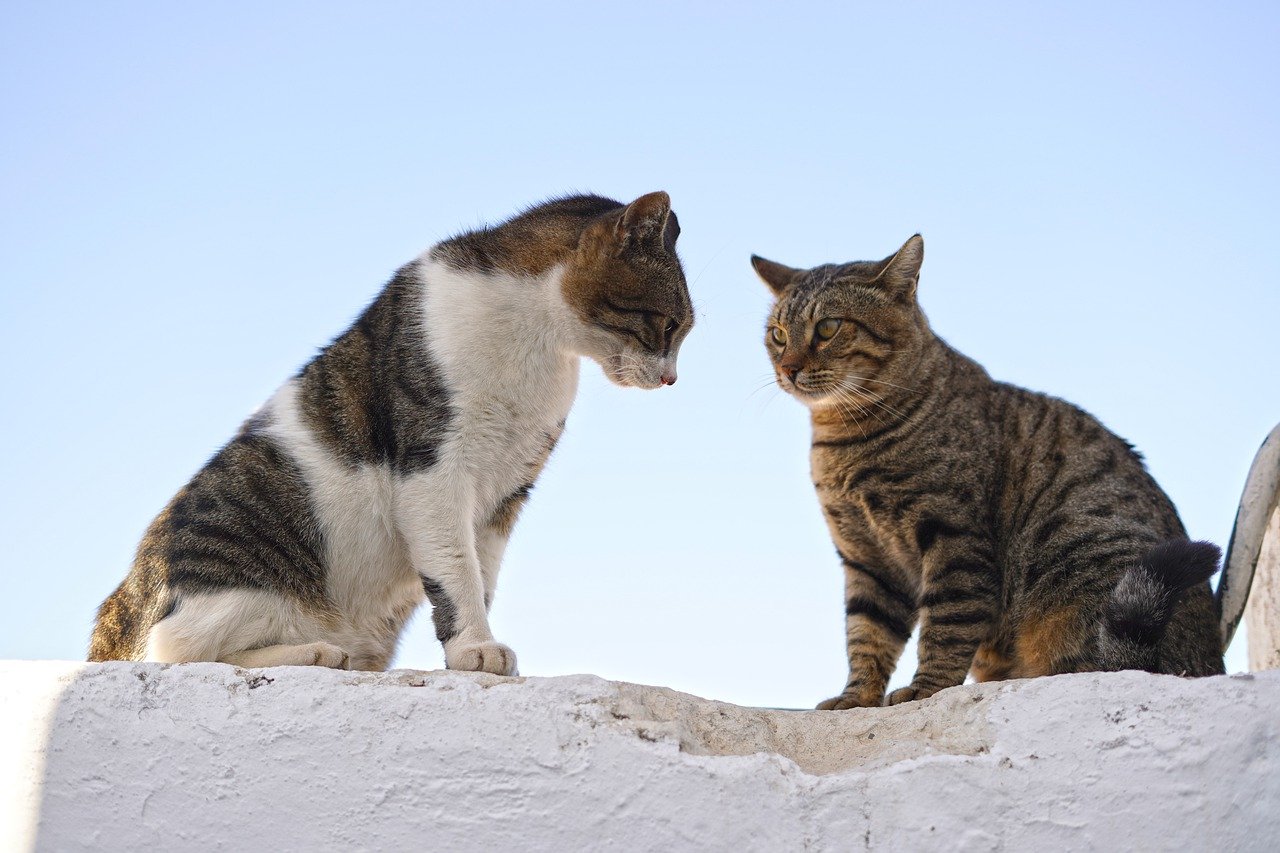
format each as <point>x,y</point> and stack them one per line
<point>1025,537</point>
<point>394,465</point>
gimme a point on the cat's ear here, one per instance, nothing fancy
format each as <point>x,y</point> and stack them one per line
<point>645,220</point>
<point>900,272</point>
<point>777,276</point>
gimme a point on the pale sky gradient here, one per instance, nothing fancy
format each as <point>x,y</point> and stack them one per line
<point>194,197</point>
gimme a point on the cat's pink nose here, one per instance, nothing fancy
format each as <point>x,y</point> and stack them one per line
<point>669,377</point>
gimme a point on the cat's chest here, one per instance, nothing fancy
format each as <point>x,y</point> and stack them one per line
<point>509,430</point>
<point>507,424</point>
<point>510,379</point>
<point>864,509</point>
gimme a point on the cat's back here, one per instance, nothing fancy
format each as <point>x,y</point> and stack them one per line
<point>1055,455</point>
<point>1072,503</point>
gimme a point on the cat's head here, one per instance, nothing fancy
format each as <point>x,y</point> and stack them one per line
<point>626,288</point>
<point>842,334</point>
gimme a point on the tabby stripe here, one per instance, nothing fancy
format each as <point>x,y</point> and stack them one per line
<point>1028,507</point>
<point>1098,471</point>
<point>420,455</point>
<point>299,557</point>
<point>880,667</point>
<point>953,569</point>
<point>1070,583</point>
<point>622,309</point>
<point>929,528</point>
<point>622,330</point>
<point>935,597</point>
<point>860,605</point>
<point>898,429</point>
<point>420,397</point>
<point>883,341</point>
<point>1050,526</point>
<point>443,612</point>
<point>1084,547</point>
<point>959,617</point>
<point>883,579</point>
<point>236,548</point>
<point>876,361</point>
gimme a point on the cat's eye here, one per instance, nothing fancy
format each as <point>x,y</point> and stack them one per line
<point>826,329</point>
<point>778,335</point>
<point>670,327</point>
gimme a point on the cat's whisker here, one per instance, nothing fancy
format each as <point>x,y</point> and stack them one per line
<point>882,382</point>
<point>871,398</point>
<point>861,409</point>
<point>841,399</point>
<point>771,382</point>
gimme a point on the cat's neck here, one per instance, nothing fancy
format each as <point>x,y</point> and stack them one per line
<point>514,331</point>
<point>881,407</point>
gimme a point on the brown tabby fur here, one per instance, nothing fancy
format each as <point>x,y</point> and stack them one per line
<point>1022,534</point>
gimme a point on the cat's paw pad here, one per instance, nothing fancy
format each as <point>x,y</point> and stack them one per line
<point>851,698</point>
<point>483,657</point>
<point>324,654</point>
<point>908,694</point>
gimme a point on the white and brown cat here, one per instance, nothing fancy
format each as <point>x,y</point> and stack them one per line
<point>394,465</point>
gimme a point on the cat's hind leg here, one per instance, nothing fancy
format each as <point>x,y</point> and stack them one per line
<point>308,654</point>
<point>245,627</point>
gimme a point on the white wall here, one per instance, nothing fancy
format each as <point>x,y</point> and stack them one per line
<point>205,756</point>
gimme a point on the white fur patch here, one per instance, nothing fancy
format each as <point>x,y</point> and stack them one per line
<point>504,347</point>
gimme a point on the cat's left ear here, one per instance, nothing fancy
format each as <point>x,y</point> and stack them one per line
<point>645,220</point>
<point>900,272</point>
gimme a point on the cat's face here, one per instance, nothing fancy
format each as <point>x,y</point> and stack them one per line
<point>845,335</point>
<point>627,290</point>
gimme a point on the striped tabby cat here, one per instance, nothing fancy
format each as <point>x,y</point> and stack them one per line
<point>394,465</point>
<point>1025,537</point>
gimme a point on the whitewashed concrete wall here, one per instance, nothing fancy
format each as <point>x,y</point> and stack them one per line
<point>209,757</point>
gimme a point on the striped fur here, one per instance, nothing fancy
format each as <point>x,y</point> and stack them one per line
<point>1020,534</point>
<point>393,467</point>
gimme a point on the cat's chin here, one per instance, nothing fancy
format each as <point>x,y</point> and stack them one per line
<point>621,370</point>
<point>811,397</point>
<point>626,380</point>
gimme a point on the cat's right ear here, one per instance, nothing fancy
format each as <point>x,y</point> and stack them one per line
<point>645,220</point>
<point>777,276</point>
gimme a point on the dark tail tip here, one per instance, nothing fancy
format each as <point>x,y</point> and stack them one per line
<point>1142,603</point>
<point>1179,564</point>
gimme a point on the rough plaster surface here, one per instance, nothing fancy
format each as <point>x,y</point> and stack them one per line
<point>207,756</point>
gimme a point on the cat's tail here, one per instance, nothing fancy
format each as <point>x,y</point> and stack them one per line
<point>1141,605</point>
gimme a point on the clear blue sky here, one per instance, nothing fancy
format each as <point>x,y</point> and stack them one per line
<point>193,197</point>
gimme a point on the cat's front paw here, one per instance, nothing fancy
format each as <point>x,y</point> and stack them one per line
<point>852,697</point>
<point>482,657</point>
<point>909,694</point>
